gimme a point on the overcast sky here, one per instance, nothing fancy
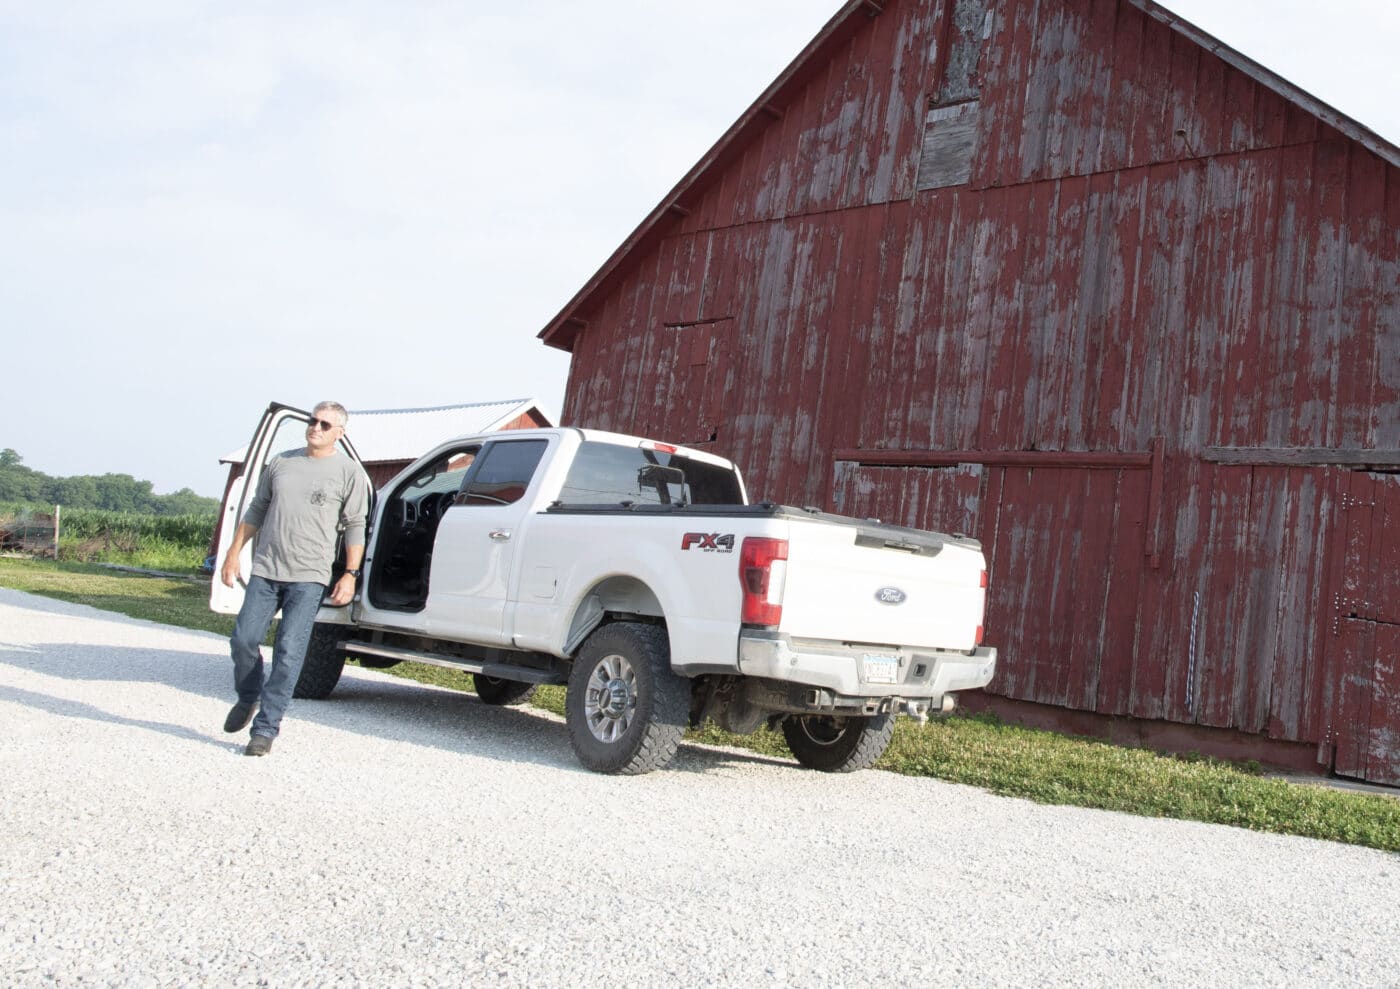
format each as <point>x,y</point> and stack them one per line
<point>205,206</point>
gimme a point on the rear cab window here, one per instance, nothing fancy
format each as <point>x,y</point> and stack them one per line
<point>610,474</point>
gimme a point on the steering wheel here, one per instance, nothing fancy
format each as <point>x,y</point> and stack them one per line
<point>432,507</point>
<point>443,502</point>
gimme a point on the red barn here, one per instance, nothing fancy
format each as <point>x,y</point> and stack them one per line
<point>1075,278</point>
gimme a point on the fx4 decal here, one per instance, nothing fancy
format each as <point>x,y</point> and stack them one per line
<point>710,542</point>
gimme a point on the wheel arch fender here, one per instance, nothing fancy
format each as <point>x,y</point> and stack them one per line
<point>612,594</point>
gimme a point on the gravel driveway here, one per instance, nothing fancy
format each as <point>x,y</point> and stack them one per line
<point>401,834</point>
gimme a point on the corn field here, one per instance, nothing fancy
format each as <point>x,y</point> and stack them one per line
<point>95,536</point>
<point>183,530</point>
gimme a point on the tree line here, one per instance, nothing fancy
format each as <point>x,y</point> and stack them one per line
<point>108,492</point>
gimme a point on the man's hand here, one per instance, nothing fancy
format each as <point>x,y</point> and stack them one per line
<point>231,573</point>
<point>343,590</point>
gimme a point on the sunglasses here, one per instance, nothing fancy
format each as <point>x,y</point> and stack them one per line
<point>321,424</point>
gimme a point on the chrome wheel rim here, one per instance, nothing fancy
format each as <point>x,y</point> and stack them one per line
<point>610,699</point>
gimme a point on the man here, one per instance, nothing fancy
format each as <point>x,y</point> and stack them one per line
<point>303,498</point>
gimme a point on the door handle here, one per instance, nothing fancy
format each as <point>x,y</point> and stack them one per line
<point>499,535</point>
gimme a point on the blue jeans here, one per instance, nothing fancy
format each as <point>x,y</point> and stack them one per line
<point>299,603</point>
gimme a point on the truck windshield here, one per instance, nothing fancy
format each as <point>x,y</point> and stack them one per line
<point>605,473</point>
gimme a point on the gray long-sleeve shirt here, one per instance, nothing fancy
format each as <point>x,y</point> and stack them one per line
<point>300,504</point>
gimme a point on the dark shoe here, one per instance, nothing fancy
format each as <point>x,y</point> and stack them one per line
<point>259,745</point>
<point>239,716</point>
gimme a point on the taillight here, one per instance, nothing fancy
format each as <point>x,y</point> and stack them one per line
<point>762,573</point>
<point>984,580</point>
<point>979,635</point>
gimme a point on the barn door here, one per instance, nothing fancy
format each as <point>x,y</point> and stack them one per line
<point>1364,648</point>
<point>1066,560</point>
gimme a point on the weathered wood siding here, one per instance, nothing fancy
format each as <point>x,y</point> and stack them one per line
<point>1150,251</point>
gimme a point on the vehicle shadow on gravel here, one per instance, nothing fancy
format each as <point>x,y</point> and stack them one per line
<point>384,704</point>
<point>195,673</point>
<point>65,708</point>
<point>400,710</point>
<point>365,702</point>
<point>697,758</point>
<point>205,677</point>
<point>368,704</point>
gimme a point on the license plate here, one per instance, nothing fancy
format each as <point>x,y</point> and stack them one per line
<point>881,668</point>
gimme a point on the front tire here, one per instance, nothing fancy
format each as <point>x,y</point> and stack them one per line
<point>324,662</point>
<point>838,745</point>
<point>501,693</point>
<point>625,709</point>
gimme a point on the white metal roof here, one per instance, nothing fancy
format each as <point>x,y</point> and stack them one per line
<point>404,434</point>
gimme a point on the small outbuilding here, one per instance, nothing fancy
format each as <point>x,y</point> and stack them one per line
<point>1076,278</point>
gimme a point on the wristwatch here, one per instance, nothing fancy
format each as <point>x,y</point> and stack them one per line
<point>353,573</point>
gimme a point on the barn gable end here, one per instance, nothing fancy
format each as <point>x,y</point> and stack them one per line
<point>1072,278</point>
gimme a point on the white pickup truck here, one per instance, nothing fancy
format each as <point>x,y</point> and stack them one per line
<point>638,574</point>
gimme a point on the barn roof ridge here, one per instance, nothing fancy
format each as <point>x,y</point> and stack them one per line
<point>561,331</point>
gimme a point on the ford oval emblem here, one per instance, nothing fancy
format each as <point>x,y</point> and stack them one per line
<point>890,595</point>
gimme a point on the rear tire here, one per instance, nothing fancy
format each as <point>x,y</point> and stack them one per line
<point>838,745</point>
<point>321,669</point>
<point>625,709</point>
<point>501,693</point>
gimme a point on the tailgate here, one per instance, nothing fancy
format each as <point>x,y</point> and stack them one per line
<point>862,582</point>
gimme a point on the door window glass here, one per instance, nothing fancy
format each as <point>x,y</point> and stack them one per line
<point>504,473</point>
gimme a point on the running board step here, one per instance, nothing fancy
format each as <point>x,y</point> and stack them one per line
<point>505,671</point>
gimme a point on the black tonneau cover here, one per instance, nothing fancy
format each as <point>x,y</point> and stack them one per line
<point>869,532</point>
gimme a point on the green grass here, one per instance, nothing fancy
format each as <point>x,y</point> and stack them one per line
<point>170,600</point>
<point>978,751</point>
<point>149,553</point>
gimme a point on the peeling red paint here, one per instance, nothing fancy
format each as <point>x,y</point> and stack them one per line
<point>1156,257</point>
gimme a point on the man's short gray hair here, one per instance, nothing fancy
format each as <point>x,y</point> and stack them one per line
<point>335,407</point>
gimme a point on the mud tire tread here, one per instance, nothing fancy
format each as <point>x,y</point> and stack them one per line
<point>324,663</point>
<point>663,702</point>
<point>860,745</point>
<point>502,693</point>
